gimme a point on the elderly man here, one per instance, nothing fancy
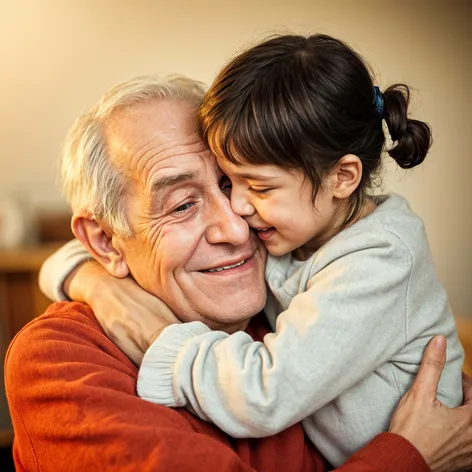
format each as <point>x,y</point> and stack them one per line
<point>149,201</point>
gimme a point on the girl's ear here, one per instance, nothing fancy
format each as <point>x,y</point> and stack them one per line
<point>346,176</point>
<point>100,242</point>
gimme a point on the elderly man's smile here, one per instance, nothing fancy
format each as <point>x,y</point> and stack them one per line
<point>233,266</point>
<point>228,267</point>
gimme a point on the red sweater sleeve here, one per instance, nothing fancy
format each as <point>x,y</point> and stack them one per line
<point>73,404</point>
<point>387,452</point>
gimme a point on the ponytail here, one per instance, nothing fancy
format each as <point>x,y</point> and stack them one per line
<point>413,136</point>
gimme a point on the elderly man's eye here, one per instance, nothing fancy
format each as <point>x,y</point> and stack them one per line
<point>184,207</point>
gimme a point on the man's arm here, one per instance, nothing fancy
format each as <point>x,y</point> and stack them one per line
<point>72,399</point>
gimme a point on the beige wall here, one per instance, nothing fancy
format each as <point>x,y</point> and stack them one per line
<point>57,57</point>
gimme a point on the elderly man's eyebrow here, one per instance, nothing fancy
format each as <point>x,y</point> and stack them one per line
<point>166,182</point>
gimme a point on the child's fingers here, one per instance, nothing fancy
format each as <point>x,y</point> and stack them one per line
<point>429,373</point>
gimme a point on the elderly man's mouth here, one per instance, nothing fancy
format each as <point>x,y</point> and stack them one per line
<point>229,268</point>
<point>219,269</point>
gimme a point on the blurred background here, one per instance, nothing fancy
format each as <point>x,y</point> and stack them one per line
<point>59,56</point>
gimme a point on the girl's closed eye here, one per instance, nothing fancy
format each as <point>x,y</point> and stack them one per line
<point>257,191</point>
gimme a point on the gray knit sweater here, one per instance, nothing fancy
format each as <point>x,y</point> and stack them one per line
<point>350,323</point>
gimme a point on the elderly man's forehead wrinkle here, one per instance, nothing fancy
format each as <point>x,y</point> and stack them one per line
<point>188,166</point>
<point>151,157</point>
<point>129,156</point>
<point>142,151</point>
<point>179,146</point>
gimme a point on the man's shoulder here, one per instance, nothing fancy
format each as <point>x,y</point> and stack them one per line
<point>72,311</point>
<point>71,318</point>
<point>66,334</point>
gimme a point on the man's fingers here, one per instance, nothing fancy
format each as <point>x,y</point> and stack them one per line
<point>429,373</point>
<point>467,388</point>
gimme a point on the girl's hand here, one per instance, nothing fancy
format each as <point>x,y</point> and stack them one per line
<point>442,435</point>
<point>131,317</point>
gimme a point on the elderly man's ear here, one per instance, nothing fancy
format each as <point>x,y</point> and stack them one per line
<point>101,243</point>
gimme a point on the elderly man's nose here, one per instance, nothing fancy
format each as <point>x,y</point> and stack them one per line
<point>226,226</point>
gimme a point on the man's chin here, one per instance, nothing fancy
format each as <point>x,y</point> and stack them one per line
<point>227,310</point>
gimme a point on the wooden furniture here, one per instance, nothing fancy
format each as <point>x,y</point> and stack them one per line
<point>20,302</point>
<point>20,297</point>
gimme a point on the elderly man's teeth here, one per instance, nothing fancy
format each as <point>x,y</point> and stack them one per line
<point>219,269</point>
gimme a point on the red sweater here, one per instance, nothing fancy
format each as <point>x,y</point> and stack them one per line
<point>72,397</point>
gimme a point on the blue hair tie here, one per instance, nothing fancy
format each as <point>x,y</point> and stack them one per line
<point>379,101</point>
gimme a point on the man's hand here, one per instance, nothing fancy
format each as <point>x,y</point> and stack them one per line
<point>131,317</point>
<point>442,435</point>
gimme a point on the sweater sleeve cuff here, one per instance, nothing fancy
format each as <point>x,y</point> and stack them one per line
<point>58,267</point>
<point>389,452</point>
<point>155,379</point>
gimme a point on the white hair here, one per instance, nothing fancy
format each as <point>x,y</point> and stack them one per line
<point>90,181</point>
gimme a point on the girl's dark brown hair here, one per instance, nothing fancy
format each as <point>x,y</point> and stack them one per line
<point>303,103</point>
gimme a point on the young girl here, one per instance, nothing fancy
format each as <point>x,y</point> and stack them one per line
<point>299,128</point>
